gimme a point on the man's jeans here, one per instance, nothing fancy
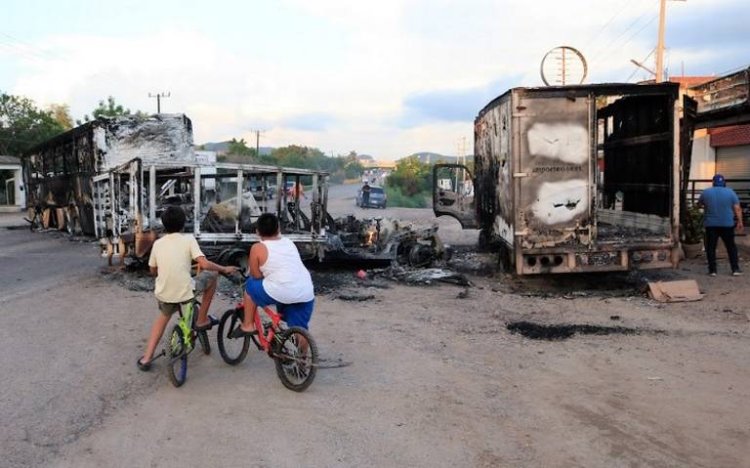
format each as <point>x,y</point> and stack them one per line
<point>726,234</point>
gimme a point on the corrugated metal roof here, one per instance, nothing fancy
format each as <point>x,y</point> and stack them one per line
<point>737,135</point>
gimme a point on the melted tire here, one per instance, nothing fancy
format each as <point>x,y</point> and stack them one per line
<point>177,357</point>
<point>233,353</point>
<point>297,371</point>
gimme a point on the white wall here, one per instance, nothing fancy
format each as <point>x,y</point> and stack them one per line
<point>703,158</point>
<point>20,191</point>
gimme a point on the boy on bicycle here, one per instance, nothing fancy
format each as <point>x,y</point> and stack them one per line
<point>277,276</point>
<point>170,261</point>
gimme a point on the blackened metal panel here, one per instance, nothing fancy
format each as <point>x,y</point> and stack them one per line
<point>554,171</point>
<point>492,160</point>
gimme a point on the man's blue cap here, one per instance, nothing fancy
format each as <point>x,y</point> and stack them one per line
<point>719,181</point>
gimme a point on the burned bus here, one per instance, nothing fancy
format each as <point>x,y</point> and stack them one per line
<point>573,179</point>
<point>59,173</point>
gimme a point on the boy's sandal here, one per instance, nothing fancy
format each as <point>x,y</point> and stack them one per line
<point>211,322</point>
<point>144,366</point>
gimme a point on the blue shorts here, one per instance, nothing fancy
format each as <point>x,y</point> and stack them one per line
<point>295,315</point>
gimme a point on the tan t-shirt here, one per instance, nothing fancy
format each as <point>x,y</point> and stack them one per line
<point>173,255</point>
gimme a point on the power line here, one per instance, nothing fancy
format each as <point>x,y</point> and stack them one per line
<point>26,48</point>
<point>601,52</point>
<point>639,31</point>
<point>609,21</point>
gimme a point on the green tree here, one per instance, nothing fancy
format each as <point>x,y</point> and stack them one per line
<point>411,176</point>
<point>240,148</point>
<point>23,125</point>
<point>110,108</point>
<point>352,168</point>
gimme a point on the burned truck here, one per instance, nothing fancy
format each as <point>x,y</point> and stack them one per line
<point>59,173</point>
<point>572,179</point>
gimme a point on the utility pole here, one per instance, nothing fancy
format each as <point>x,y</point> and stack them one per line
<point>158,97</point>
<point>660,40</point>
<point>257,141</point>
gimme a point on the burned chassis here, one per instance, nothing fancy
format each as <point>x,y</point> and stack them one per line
<point>220,204</point>
<point>129,199</point>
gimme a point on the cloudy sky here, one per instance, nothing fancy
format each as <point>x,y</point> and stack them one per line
<point>386,78</point>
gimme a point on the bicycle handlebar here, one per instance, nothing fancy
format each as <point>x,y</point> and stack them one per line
<point>232,277</point>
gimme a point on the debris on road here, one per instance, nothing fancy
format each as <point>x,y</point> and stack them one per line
<point>674,291</point>
<point>424,276</point>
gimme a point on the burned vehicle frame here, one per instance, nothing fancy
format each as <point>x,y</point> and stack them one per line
<point>222,203</point>
<point>573,179</point>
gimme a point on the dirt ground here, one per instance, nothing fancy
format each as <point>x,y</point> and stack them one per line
<point>436,378</point>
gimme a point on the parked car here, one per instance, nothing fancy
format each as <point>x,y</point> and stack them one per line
<point>378,198</point>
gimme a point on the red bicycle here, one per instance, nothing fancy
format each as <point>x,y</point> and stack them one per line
<point>293,349</point>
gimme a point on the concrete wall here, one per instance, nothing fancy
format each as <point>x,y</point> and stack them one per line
<point>703,157</point>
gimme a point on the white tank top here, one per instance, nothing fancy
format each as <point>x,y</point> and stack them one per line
<point>285,278</point>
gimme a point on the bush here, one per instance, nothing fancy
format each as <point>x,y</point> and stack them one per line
<point>692,228</point>
<point>397,198</point>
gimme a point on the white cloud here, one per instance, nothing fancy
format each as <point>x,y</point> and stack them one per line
<point>357,79</point>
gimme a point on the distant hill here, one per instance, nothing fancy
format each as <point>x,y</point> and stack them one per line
<point>222,147</point>
<point>428,157</point>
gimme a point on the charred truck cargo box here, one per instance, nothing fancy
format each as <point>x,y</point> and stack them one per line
<point>573,179</point>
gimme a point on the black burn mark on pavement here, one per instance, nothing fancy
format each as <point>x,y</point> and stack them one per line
<point>537,331</point>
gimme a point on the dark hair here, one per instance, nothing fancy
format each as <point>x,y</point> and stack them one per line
<point>267,225</point>
<point>173,219</point>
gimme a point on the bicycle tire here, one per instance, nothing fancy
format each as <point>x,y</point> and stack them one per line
<point>205,344</point>
<point>177,357</point>
<point>233,351</point>
<point>297,371</point>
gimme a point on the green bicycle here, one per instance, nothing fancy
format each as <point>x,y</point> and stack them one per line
<point>181,342</point>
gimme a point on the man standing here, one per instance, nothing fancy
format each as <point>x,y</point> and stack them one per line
<point>366,195</point>
<point>722,207</point>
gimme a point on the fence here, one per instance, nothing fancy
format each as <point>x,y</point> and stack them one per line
<point>740,186</point>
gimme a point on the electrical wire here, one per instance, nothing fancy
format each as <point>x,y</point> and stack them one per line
<point>609,45</point>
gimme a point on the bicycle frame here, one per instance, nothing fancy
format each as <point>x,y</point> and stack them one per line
<point>265,335</point>
<point>186,323</point>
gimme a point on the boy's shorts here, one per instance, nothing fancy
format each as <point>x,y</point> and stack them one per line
<point>295,315</point>
<point>200,283</point>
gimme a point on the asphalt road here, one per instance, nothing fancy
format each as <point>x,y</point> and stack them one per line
<point>70,339</point>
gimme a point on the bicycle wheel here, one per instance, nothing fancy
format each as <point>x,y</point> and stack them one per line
<point>203,338</point>
<point>177,357</point>
<point>296,358</point>
<point>232,350</point>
